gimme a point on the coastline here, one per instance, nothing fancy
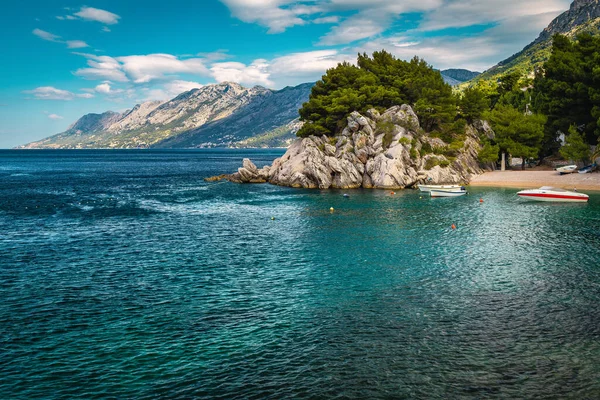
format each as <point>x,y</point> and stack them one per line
<point>535,179</point>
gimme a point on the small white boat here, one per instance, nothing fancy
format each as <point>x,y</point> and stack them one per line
<point>448,193</point>
<point>547,193</point>
<point>429,188</point>
<point>567,169</point>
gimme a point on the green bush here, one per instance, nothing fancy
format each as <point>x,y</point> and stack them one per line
<point>404,141</point>
<point>432,162</point>
<point>387,140</point>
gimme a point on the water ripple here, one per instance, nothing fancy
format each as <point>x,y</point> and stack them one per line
<point>124,275</point>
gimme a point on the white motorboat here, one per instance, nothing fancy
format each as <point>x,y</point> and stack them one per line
<point>547,193</point>
<point>429,188</point>
<point>567,169</point>
<point>448,193</point>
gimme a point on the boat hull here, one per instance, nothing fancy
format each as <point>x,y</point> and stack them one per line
<point>429,188</point>
<point>569,169</point>
<point>554,198</point>
<point>442,193</point>
<point>551,194</point>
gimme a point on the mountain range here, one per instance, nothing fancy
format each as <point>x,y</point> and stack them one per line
<point>225,114</point>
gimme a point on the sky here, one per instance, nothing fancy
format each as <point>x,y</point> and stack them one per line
<point>64,59</point>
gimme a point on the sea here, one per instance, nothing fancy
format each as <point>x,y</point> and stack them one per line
<point>124,275</point>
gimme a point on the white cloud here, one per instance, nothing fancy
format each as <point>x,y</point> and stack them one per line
<point>169,90</point>
<point>177,87</point>
<point>139,68</point>
<point>46,35</point>
<point>95,14</point>
<point>106,29</point>
<point>86,95</point>
<point>54,116</point>
<point>76,44</point>
<point>371,19</point>
<point>464,13</point>
<point>267,13</point>
<point>101,68</point>
<point>71,44</point>
<point>256,73</point>
<point>145,68</point>
<point>371,16</point>
<point>52,93</point>
<point>327,20</point>
<point>103,88</point>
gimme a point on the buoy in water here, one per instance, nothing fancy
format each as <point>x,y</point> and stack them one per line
<point>331,209</point>
<point>346,195</point>
<point>393,193</point>
<point>272,218</point>
<point>481,200</point>
<point>453,226</point>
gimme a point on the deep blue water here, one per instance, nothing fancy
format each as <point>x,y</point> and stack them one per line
<point>124,275</point>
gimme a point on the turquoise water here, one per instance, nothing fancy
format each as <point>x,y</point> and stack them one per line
<point>124,275</point>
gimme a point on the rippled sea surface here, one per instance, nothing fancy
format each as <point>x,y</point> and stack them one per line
<point>123,274</point>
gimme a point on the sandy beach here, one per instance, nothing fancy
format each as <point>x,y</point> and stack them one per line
<point>535,179</point>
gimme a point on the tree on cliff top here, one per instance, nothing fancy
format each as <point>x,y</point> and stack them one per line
<point>379,82</point>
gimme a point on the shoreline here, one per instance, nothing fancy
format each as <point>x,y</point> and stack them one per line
<point>535,179</point>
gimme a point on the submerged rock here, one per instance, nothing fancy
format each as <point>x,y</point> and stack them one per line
<point>383,151</point>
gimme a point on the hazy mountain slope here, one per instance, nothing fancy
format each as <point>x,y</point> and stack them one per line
<point>245,112</point>
<point>267,112</point>
<point>582,16</point>
<point>87,126</point>
<point>461,75</point>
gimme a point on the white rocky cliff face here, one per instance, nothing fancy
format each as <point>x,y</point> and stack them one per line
<point>386,151</point>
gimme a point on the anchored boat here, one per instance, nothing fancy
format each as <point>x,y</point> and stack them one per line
<point>547,193</point>
<point>461,191</point>
<point>429,188</point>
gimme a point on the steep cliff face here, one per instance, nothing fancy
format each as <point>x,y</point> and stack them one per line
<point>214,115</point>
<point>582,16</point>
<point>383,151</point>
<point>580,13</point>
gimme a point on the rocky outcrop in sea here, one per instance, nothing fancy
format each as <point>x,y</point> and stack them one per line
<point>380,151</point>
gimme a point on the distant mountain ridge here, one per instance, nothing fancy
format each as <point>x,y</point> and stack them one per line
<point>582,16</point>
<point>214,115</point>
<point>455,77</point>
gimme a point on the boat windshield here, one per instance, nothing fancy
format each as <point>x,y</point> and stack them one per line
<point>552,189</point>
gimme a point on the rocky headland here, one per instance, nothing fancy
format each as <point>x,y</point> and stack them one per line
<point>379,151</point>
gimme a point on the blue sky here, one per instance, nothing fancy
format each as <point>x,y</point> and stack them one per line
<point>64,59</point>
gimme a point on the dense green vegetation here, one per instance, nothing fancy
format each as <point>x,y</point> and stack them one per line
<point>526,114</point>
<point>568,90</point>
<point>379,82</point>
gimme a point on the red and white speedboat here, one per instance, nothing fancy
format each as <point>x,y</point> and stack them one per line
<point>547,193</point>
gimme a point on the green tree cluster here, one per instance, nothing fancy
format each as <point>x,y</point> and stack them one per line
<point>567,90</point>
<point>517,133</point>
<point>379,82</point>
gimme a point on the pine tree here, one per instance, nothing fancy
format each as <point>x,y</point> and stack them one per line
<point>517,134</point>
<point>575,148</point>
